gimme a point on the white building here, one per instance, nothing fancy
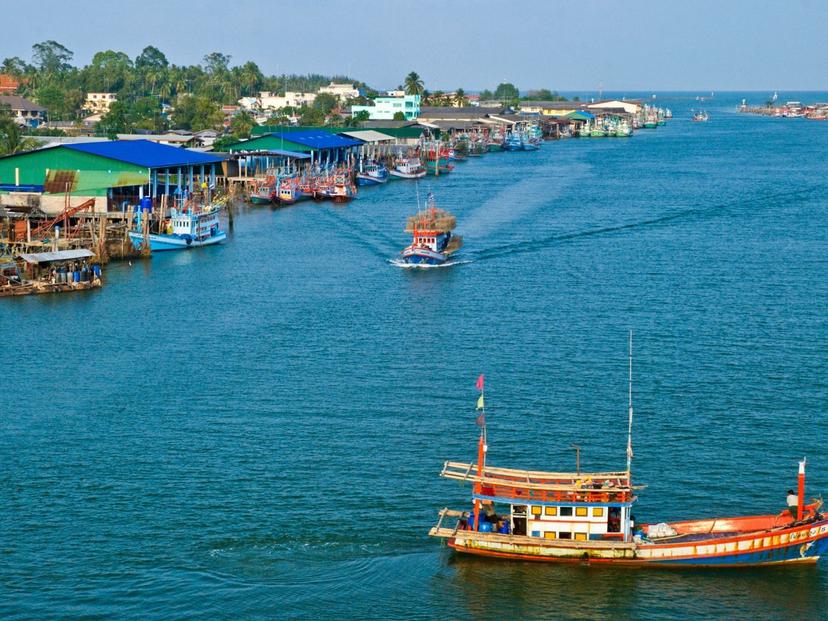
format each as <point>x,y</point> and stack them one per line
<point>395,93</point>
<point>385,108</point>
<point>291,99</point>
<point>343,92</point>
<point>99,103</point>
<point>629,106</point>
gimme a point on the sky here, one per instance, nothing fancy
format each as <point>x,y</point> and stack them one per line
<point>579,45</point>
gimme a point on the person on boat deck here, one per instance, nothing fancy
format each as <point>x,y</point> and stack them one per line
<point>793,503</point>
<point>489,512</point>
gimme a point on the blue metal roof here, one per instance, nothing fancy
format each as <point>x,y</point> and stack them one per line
<point>318,139</point>
<point>294,154</point>
<point>145,153</point>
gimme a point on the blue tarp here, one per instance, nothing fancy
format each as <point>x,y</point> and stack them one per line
<point>145,153</point>
<point>318,139</point>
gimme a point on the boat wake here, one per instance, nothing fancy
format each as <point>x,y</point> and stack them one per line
<point>528,246</point>
<point>420,266</point>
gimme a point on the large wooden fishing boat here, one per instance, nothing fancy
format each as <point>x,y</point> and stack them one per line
<point>587,517</point>
<point>432,239</point>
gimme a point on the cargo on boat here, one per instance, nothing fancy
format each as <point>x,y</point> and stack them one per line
<point>587,516</point>
<point>432,240</point>
<point>49,272</point>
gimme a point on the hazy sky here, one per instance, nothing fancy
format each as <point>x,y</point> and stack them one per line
<point>631,45</point>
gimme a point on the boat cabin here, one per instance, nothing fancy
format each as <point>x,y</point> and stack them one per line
<point>549,505</point>
<point>433,240</point>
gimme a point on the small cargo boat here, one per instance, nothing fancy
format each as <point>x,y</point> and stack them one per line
<point>432,241</point>
<point>530,515</point>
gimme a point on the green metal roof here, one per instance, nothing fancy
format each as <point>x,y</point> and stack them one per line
<point>266,143</point>
<point>261,130</point>
<point>412,131</point>
<point>55,167</point>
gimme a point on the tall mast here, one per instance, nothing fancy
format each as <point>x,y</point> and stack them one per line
<point>629,429</point>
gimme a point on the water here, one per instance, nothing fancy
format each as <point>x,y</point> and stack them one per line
<point>255,430</point>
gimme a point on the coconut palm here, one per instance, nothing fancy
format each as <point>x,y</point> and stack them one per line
<point>12,141</point>
<point>460,99</point>
<point>414,84</point>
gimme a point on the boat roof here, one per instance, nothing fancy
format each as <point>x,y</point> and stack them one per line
<point>60,255</point>
<point>535,480</point>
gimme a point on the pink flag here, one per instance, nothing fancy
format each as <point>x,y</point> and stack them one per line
<point>480,382</point>
<point>481,420</point>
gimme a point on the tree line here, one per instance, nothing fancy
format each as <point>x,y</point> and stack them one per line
<point>144,85</point>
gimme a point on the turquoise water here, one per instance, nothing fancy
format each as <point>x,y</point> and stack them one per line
<point>255,430</point>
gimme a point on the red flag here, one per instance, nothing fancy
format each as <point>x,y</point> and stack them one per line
<point>480,383</point>
<point>481,420</point>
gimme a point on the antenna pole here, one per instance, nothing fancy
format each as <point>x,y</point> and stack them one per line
<point>629,428</point>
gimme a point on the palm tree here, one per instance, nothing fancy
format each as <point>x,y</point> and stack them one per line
<point>414,84</point>
<point>11,141</point>
<point>460,99</point>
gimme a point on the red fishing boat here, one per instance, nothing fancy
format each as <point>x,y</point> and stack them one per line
<point>587,517</point>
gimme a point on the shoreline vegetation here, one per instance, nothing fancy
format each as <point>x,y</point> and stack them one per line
<point>154,95</point>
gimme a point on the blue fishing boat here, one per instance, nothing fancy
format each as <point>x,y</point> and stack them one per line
<point>433,242</point>
<point>372,173</point>
<point>186,228</point>
<point>513,142</point>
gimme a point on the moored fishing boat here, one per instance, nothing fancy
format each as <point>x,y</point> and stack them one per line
<point>408,168</point>
<point>288,192</point>
<point>436,161</point>
<point>189,226</point>
<point>340,189</point>
<point>432,240</point>
<point>372,173</point>
<point>513,142</point>
<point>701,116</point>
<point>263,193</point>
<point>587,517</point>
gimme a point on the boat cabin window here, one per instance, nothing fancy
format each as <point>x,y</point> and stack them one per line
<point>564,535</point>
<point>565,511</point>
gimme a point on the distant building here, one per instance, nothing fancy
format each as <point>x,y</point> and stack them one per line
<point>550,108</point>
<point>99,103</point>
<point>23,111</point>
<point>8,84</point>
<point>291,99</point>
<point>395,93</point>
<point>384,108</point>
<point>630,106</point>
<point>343,92</point>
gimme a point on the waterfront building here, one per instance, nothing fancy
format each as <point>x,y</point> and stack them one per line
<point>324,147</point>
<point>112,173</point>
<point>387,107</point>
<point>629,106</point>
<point>24,112</point>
